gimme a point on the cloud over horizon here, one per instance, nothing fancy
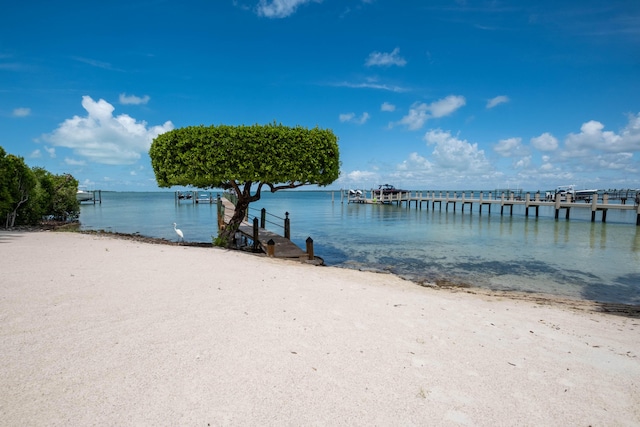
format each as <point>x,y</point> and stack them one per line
<point>104,138</point>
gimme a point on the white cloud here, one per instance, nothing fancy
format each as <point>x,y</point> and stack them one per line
<point>387,107</point>
<point>493,102</point>
<point>372,84</point>
<point>132,99</point>
<point>280,8</point>
<point>455,154</point>
<point>74,162</point>
<point>545,142</point>
<point>386,59</point>
<point>21,112</point>
<point>509,147</point>
<point>447,106</point>
<point>104,138</point>
<point>414,163</point>
<point>351,118</point>
<point>419,112</point>
<point>358,179</point>
<point>592,136</point>
<point>37,154</point>
<point>523,163</point>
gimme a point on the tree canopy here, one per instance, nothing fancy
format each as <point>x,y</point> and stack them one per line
<point>219,156</point>
<point>28,195</point>
<point>236,157</point>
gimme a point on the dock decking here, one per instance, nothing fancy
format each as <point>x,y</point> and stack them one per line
<point>282,247</point>
<point>596,204</point>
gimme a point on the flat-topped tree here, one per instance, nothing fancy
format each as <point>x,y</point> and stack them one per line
<point>237,157</point>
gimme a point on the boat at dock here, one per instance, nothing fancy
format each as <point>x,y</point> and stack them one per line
<point>205,197</point>
<point>566,192</point>
<point>386,189</point>
<point>84,195</point>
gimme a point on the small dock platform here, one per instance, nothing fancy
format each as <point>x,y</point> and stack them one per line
<point>270,242</point>
<point>197,197</point>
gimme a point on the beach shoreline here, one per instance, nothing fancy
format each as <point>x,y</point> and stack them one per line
<point>620,309</point>
<point>100,330</point>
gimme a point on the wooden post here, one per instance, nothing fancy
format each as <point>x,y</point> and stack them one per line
<point>256,236</point>
<point>271,248</point>
<point>263,218</point>
<point>287,226</point>
<point>310,248</point>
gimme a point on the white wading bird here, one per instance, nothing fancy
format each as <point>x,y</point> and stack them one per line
<point>178,232</point>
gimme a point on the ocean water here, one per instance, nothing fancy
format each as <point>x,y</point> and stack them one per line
<point>572,258</point>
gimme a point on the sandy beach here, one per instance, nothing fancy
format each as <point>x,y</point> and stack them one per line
<point>97,330</point>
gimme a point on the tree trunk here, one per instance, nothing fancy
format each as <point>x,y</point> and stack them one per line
<point>228,234</point>
<point>13,215</point>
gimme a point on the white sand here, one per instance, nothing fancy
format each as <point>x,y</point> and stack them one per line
<point>103,331</point>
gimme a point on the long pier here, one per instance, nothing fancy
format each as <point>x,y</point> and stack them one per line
<point>598,203</point>
<point>269,242</point>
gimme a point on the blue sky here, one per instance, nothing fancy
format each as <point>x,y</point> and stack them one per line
<point>443,94</point>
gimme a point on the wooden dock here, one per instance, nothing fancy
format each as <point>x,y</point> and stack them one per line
<point>197,197</point>
<point>600,203</point>
<point>281,247</point>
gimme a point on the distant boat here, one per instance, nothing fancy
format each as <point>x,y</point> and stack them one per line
<point>84,196</point>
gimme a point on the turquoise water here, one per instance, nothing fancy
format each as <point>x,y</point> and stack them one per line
<point>575,258</point>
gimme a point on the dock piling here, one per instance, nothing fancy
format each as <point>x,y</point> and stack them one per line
<point>271,248</point>
<point>287,226</point>
<point>309,242</point>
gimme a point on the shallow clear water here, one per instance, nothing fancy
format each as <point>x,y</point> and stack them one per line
<point>575,258</point>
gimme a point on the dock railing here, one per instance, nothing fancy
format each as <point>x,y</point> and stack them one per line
<point>265,218</point>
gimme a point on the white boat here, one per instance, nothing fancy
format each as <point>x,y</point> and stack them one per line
<point>205,197</point>
<point>84,196</point>
<point>563,191</point>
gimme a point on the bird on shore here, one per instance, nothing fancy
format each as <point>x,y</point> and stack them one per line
<point>178,232</point>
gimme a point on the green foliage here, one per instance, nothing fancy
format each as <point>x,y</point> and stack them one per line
<point>19,182</point>
<point>221,156</point>
<point>58,195</point>
<point>222,241</point>
<point>5,196</point>
<point>27,195</point>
